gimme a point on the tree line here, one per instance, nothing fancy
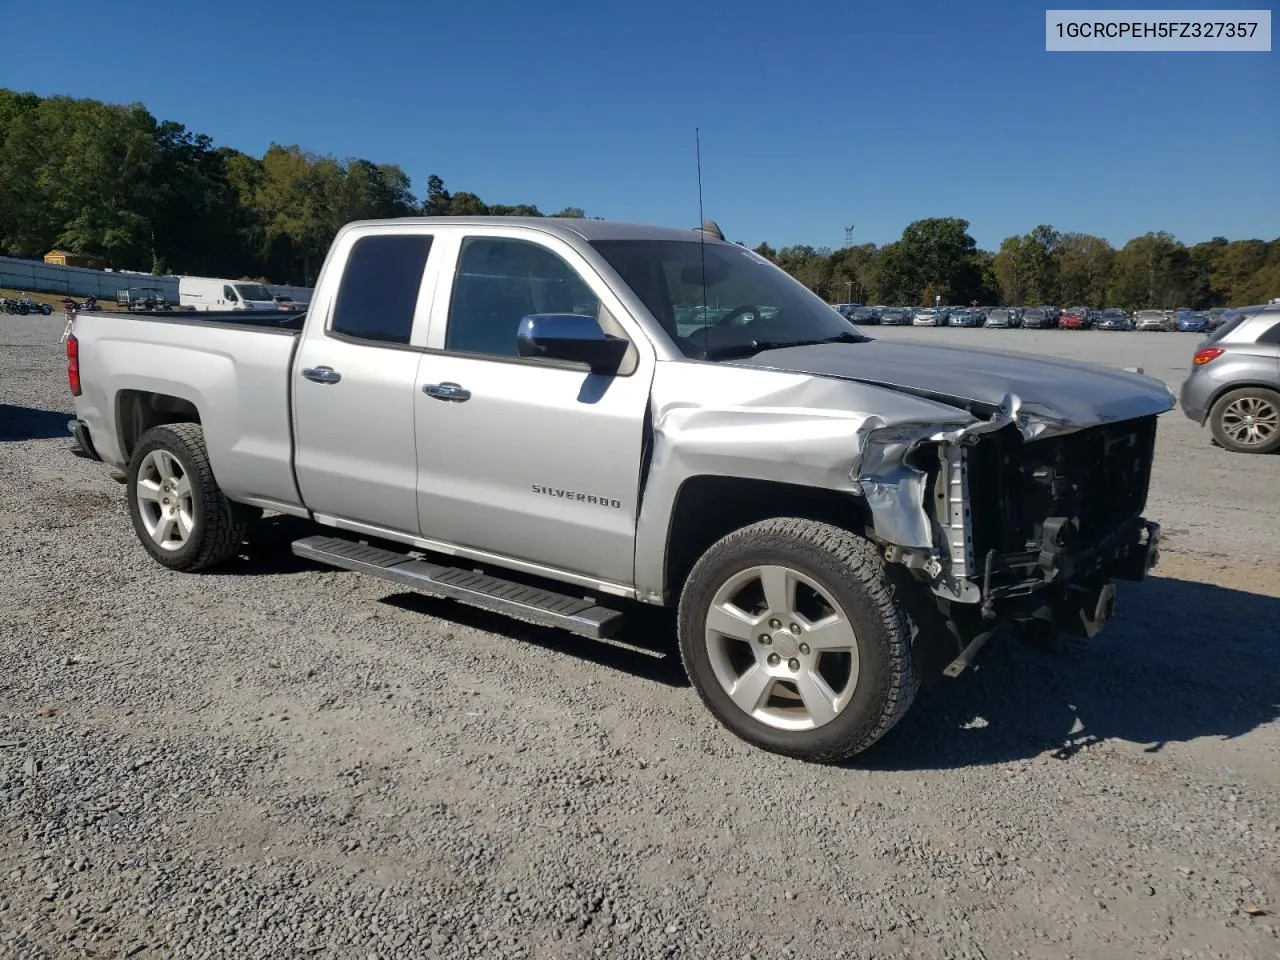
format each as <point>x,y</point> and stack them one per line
<point>112,181</point>
<point>938,258</point>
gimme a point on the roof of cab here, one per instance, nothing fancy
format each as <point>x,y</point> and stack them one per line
<point>586,229</point>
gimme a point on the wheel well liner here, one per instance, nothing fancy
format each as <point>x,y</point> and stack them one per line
<point>137,411</point>
<point>708,508</point>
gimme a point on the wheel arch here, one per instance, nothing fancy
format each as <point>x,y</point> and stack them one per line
<point>137,411</point>
<point>709,507</point>
<point>1222,391</point>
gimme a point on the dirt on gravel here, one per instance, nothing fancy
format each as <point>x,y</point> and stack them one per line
<point>282,760</point>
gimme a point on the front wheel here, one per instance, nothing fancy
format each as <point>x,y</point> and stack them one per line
<point>46,309</point>
<point>1247,420</point>
<point>791,635</point>
<point>180,516</point>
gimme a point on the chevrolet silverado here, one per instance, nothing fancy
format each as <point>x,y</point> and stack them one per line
<point>560,419</point>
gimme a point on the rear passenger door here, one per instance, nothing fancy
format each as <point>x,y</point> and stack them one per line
<point>529,460</point>
<point>354,382</point>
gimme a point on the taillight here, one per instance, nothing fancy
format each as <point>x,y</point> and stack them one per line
<point>73,364</point>
<point>1208,353</point>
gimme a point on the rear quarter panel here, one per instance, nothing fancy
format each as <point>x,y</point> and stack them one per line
<point>236,377</point>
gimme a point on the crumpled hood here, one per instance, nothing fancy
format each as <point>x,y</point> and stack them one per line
<point>1056,395</point>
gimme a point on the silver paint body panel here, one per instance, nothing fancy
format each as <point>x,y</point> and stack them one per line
<point>508,477</point>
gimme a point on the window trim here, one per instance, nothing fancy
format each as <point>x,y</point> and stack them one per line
<point>331,308</point>
<point>452,239</point>
<point>320,313</point>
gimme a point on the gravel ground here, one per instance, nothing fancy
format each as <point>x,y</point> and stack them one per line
<point>288,761</point>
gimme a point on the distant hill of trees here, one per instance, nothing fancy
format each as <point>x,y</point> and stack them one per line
<point>114,182</point>
<point>937,257</point>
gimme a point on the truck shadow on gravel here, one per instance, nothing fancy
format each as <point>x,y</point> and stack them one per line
<point>645,649</point>
<point>266,549</point>
<point>1181,661</point>
<point>31,423</point>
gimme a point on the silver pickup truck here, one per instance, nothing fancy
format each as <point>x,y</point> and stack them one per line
<point>558,419</point>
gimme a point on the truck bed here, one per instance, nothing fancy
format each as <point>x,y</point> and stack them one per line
<point>258,319</point>
<point>232,369</point>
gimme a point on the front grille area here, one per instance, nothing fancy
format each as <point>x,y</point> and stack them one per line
<point>1096,479</point>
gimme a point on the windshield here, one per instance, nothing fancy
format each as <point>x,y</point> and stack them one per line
<point>746,303</point>
<point>253,291</point>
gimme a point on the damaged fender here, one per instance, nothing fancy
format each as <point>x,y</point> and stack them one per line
<point>736,421</point>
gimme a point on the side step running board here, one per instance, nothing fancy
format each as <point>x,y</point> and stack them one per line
<point>530,604</point>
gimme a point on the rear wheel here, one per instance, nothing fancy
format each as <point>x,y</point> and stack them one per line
<point>792,637</point>
<point>1247,420</point>
<point>180,516</point>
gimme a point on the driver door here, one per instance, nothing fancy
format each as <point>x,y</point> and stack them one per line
<point>529,460</point>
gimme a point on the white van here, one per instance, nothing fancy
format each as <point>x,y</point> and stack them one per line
<point>210,293</point>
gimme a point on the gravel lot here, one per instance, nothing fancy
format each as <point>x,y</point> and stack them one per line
<point>287,761</point>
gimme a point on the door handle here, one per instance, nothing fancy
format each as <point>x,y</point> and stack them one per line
<point>451,392</point>
<point>322,374</point>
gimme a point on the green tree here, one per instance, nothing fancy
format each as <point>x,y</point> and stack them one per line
<point>467,205</point>
<point>1262,287</point>
<point>935,257</point>
<point>1151,271</point>
<point>1039,249</point>
<point>1083,267</point>
<point>1012,272</point>
<point>1235,267</point>
<point>437,200</point>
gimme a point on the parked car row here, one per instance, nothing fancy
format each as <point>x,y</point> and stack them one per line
<point>1042,317</point>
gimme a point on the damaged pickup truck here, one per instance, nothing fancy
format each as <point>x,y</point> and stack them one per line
<point>558,419</point>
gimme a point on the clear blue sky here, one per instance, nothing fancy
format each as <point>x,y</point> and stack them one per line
<point>814,115</point>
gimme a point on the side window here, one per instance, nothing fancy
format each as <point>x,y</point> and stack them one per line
<point>501,281</point>
<point>379,288</point>
<point>228,293</point>
<point>1272,335</point>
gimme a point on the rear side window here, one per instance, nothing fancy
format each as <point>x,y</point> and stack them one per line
<point>379,288</point>
<point>1227,327</point>
<point>1271,335</point>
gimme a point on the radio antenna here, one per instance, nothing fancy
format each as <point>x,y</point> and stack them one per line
<point>702,237</point>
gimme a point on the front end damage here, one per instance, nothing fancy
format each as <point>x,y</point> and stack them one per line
<point>1016,518</point>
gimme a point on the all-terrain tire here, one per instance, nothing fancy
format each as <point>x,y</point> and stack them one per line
<point>217,525</point>
<point>851,571</point>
